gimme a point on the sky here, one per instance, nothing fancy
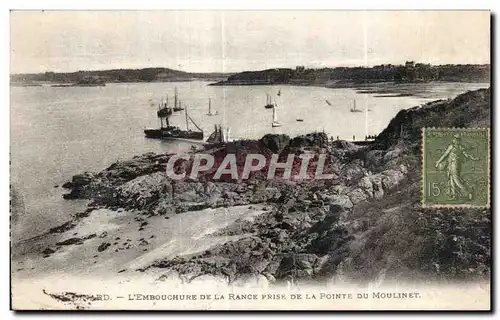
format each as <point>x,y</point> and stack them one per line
<point>234,41</point>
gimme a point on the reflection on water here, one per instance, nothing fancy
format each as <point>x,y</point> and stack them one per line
<point>58,132</point>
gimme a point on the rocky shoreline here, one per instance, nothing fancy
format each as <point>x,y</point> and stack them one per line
<point>359,225</point>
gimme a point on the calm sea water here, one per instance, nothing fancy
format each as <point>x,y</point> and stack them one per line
<point>59,132</point>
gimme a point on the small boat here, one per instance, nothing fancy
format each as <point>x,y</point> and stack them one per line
<point>299,120</point>
<point>328,103</point>
<point>269,105</point>
<point>210,113</point>
<point>172,133</point>
<point>275,117</point>
<point>179,107</point>
<point>354,109</point>
<point>177,102</point>
<point>279,93</point>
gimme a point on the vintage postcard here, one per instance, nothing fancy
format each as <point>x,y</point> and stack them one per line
<point>250,160</point>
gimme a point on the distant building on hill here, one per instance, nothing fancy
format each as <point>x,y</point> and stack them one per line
<point>410,64</point>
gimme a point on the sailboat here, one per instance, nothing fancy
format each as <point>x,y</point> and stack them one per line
<point>210,113</point>
<point>220,134</point>
<point>177,102</point>
<point>279,93</point>
<point>275,117</point>
<point>269,104</point>
<point>354,109</point>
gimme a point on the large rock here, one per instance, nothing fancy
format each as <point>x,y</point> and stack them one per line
<point>275,142</point>
<point>371,184</point>
<point>81,186</point>
<point>374,185</point>
<point>338,203</point>
<point>316,139</point>
<point>345,145</point>
<point>79,180</point>
<point>144,190</point>
<point>82,179</point>
<point>138,166</point>
<point>103,246</point>
<point>391,178</point>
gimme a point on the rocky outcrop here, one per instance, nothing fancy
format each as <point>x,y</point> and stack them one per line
<point>275,142</point>
<point>103,246</point>
<point>470,109</point>
<point>355,225</point>
<point>316,139</point>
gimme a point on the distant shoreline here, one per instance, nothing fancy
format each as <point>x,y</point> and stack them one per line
<point>338,85</point>
<point>72,84</point>
<point>335,77</point>
<point>114,76</point>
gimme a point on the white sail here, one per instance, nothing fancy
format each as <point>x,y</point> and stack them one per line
<point>210,113</point>
<point>225,134</point>
<point>354,109</point>
<point>275,117</point>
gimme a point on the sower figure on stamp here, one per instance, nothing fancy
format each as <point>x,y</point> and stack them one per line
<point>452,160</point>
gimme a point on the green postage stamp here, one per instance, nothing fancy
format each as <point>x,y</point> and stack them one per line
<point>455,167</point>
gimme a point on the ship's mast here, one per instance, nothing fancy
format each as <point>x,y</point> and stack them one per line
<point>209,106</point>
<point>187,122</point>
<point>159,108</point>
<point>366,120</point>
<point>175,98</point>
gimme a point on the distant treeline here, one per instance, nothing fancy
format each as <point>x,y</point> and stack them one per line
<point>409,72</point>
<point>117,75</point>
